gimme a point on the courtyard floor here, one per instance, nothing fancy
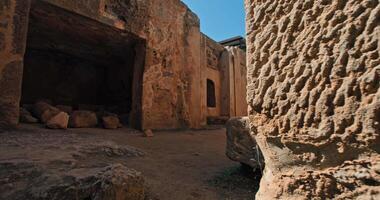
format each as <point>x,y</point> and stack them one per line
<point>177,165</point>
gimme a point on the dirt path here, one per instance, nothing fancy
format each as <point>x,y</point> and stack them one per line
<point>178,165</point>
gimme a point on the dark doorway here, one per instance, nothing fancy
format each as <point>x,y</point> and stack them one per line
<point>211,98</point>
<point>73,60</point>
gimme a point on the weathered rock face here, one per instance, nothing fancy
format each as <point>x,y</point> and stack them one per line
<point>115,182</point>
<point>67,165</point>
<point>13,30</point>
<point>314,97</point>
<point>241,145</point>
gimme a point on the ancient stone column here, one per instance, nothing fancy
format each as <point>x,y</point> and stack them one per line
<point>314,97</point>
<point>13,30</point>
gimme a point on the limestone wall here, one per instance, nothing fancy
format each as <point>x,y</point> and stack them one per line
<point>210,58</point>
<point>226,67</point>
<point>172,34</point>
<point>314,97</point>
<point>172,37</point>
<point>178,59</point>
<point>13,29</point>
<point>237,73</point>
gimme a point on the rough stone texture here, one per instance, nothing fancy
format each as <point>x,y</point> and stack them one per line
<point>226,68</point>
<point>115,182</point>
<point>13,29</point>
<point>241,145</point>
<point>314,97</point>
<point>237,78</point>
<point>61,165</point>
<point>83,119</point>
<point>110,122</point>
<point>59,121</point>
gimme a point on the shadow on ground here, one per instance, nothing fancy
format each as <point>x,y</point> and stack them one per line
<point>237,183</point>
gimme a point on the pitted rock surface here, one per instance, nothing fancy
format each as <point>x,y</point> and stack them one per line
<point>313,93</point>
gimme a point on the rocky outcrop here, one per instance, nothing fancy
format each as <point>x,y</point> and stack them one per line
<point>314,97</point>
<point>115,182</point>
<point>241,145</point>
<point>44,164</point>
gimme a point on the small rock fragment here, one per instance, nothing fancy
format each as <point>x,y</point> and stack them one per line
<point>60,121</point>
<point>148,133</point>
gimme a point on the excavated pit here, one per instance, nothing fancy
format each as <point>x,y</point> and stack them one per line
<point>75,61</point>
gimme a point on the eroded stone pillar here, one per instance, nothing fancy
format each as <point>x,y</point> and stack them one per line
<point>314,97</point>
<point>13,30</point>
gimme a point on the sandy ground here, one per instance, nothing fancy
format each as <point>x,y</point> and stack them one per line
<point>177,165</point>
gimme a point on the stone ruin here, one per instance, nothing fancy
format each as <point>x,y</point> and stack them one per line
<point>314,97</point>
<point>144,64</point>
<point>313,71</point>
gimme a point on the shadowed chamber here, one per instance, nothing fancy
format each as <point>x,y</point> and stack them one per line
<point>73,60</point>
<point>211,98</point>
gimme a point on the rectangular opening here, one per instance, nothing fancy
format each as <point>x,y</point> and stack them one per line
<point>211,98</point>
<point>76,61</point>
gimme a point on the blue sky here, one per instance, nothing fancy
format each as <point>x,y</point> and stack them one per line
<point>220,19</point>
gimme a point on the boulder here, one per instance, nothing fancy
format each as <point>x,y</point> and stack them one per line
<point>26,116</point>
<point>118,182</point>
<point>148,133</point>
<point>241,145</point>
<point>59,121</point>
<point>44,111</point>
<point>83,119</point>
<point>64,108</point>
<point>110,122</point>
